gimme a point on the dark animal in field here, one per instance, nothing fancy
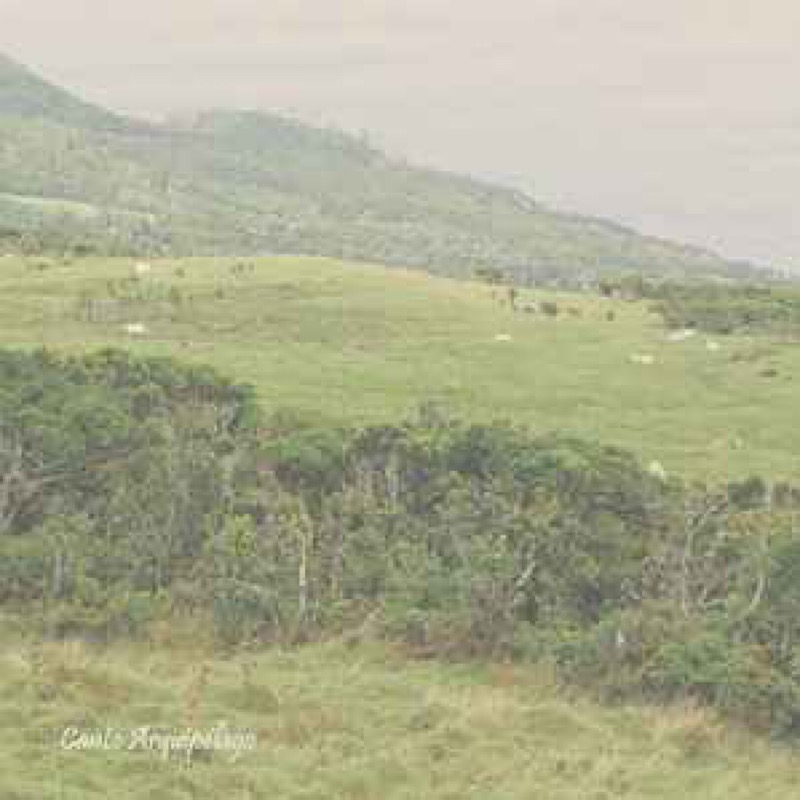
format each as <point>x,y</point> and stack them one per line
<point>549,308</point>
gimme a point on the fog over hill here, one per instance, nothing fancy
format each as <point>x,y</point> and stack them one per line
<point>73,175</point>
<point>677,118</point>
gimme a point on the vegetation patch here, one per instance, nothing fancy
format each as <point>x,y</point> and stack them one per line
<point>137,490</point>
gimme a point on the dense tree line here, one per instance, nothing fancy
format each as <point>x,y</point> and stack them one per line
<point>721,307</point>
<point>132,490</point>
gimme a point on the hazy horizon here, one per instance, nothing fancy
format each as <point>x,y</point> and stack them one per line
<point>680,119</point>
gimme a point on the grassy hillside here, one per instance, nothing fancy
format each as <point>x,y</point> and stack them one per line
<point>360,724</point>
<point>251,183</point>
<point>342,344</point>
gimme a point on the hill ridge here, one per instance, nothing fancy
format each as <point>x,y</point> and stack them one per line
<point>26,94</point>
<point>252,182</point>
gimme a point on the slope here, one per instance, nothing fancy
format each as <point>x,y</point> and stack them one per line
<point>345,344</point>
<point>24,94</point>
<point>254,183</point>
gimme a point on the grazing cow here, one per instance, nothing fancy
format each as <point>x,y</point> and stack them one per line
<point>136,329</point>
<point>681,336</point>
<point>656,469</point>
<point>142,269</point>
<point>642,358</point>
<point>502,337</point>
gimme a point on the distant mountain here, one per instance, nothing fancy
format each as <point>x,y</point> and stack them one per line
<point>75,176</point>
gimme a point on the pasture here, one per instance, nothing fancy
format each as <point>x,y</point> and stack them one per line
<point>345,344</point>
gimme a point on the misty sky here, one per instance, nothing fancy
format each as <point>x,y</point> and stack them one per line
<point>679,116</point>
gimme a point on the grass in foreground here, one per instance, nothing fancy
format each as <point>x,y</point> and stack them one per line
<point>346,344</point>
<point>356,723</point>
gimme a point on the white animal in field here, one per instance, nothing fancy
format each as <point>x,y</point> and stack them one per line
<point>681,336</point>
<point>143,268</point>
<point>503,337</point>
<point>713,347</point>
<point>136,329</point>
<point>643,358</point>
<point>656,469</point>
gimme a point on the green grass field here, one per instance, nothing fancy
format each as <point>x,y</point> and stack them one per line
<point>339,723</point>
<point>340,343</point>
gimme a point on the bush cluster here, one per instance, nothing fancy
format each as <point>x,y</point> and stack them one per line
<point>133,489</point>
